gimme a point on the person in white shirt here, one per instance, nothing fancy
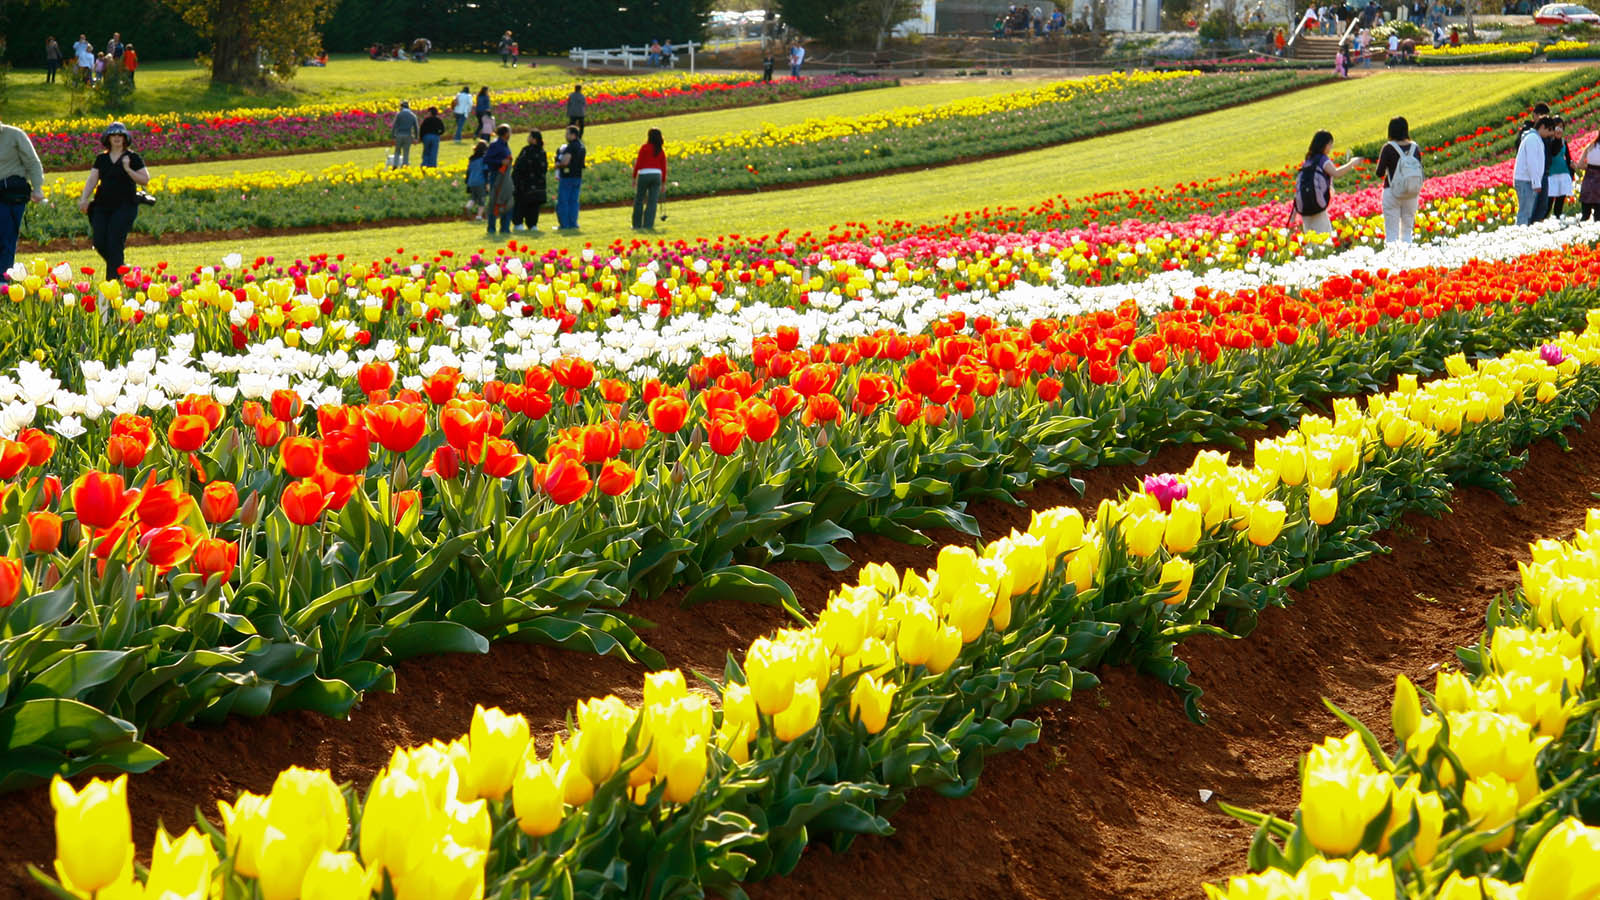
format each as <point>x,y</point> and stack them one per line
<point>462,109</point>
<point>1528,174</point>
<point>797,55</point>
<point>1394,49</point>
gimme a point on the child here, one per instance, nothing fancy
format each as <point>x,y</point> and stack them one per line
<point>477,180</point>
<point>486,129</point>
<point>1341,61</point>
<point>515,52</point>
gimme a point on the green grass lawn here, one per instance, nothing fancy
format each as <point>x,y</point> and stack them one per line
<point>688,126</point>
<point>1269,133</point>
<point>184,87</point>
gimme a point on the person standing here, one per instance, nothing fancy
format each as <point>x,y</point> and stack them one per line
<point>1319,162</point>
<point>649,176</point>
<point>797,56</point>
<point>113,184</point>
<point>505,49</point>
<point>404,130</point>
<point>569,168</point>
<point>477,181</point>
<point>52,59</point>
<point>432,132</point>
<point>1400,167</point>
<point>497,166</point>
<point>577,108</point>
<point>1589,191</point>
<point>462,109</point>
<point>83,51</point>
<point>114,46</point>
<point>1558,168</point>
<point>516,54</point>
<point>1527,176</point>
<point>528,180</point>
<point>766,70</point>
<point>482,106</point>
<point>21,181</point>
<point>130,62</point>
<point>1341,61</point>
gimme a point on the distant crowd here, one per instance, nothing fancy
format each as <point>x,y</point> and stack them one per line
<point>88,65</point>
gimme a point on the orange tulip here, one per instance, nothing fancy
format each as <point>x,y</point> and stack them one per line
<point>375,376</point>
<point>348,451</point>
<point>632,435</point>
<point>616,477</point>
<point>668,413</point>
<point>167,547</point>
<point>446,463</point>
<point>13,458</point>
<point>500,458</point>
<point>404,501</point>
<point>269,431</point>
<point>161,504</point>
<point>397,427</point>
<point>44,532</point>
<point>41,446</point>
<point>304,501</point>
<point>219,501</point>
<point>286,405</point>
<point>213,556</point>
<point>188,433</point>
<point>204,407</point>
<point>565,481</point>
<point>725,434</point>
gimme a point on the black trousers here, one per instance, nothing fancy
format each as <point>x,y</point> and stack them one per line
<point>1590,210</point>
<point>109,229</point>
<point>526,211</point>
<point>578,121</point>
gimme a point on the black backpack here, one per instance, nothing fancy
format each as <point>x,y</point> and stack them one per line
<point>1311,188</point>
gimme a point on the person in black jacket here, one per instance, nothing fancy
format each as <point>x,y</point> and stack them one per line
<point>111,196</point>
<point>528,178</point>
<point>432,131</point>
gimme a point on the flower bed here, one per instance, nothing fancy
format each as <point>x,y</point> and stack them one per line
<point>198,137</point>
<point>1475,54</point>
<point>1572,50</point>
<point>906,679</point>
<point>817,149</point>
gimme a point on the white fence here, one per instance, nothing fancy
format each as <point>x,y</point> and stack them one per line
<point>627,57</point>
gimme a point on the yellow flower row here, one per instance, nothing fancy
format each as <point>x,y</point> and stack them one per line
<point>1521,47</point>
<point>387,106</point>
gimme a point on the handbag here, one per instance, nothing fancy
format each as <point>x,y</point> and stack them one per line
<point>15,190</point>
<point>144,198</point>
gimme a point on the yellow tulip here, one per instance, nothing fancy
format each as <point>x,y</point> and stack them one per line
<point>970,608</point>
<point>1184,524</point>
<point>1177,576</point>
<point>336,876</point>
<point>1491,803</point>
<point>1266,522</point>
<point>182,867</point>
<point>870,700</point>
<point>919,629</point>
<point>1565,865</point>
<point>496,743</point>
<point>244,821</point>
<point>1457,887</point>
<point>1336,806</point>
<point>94,833</point>
<point>684,762</point>
<point>800,715</point>
<point>284,858</point>
<point>1143,533</point>
<point>842,626</point>
<point>1322,505</point>
<point>1545,392</point>
<point>603,727</point>
<point>453,873</point>
<point>769,671</point>
<point>1406,712</point>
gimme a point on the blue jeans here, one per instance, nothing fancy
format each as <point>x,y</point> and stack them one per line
<point>430,151</point>
<point>567,201</point>
<point>1532,205</point>
<point>10,228</point>
<point>461,122</point>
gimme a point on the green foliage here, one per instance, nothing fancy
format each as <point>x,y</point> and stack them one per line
<point>538,28</point>
<point>249,38</point>
<point>114,93</point>
<point>1217,27</point>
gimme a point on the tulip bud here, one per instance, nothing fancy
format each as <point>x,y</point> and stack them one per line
<point>1177,576</point>
<point>401,477</point>
<point>250,513</point>
<point>946,647</point>
<point>870,701</point>
<point>182,867</point>
<point>1266,522</point>
<point>496,743</point>
<point>1407,710</point>
<point>94,833</point>
<point>1322,505</point>
<point>1184,524</point>
<point>768,670</point>
<point>536,796</point>
<point>800,715</point>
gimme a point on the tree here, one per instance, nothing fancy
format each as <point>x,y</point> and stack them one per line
<point>248,37</point>
<point>884,15</point>
<point>844,22</point>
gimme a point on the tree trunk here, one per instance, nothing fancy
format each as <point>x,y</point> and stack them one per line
<point>233,53</point>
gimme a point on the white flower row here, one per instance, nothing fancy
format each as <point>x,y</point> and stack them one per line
<point>642,346</point>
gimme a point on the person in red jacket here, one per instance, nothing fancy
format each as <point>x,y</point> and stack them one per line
<point>130,61</point>
<point>649,177</point>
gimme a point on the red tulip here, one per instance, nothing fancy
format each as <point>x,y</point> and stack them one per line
<point>668,413</point>
<point>204,407</point>
<point>100,501</point>
<point>41,446</point>
<point>10,580</point>
<point>375,376</point>
<point>616,477</point>
<point>269,431</point>
<point>301,456</point>
<point>336,486</point>
<point>500,458</point>
<point>1049,389</point>
<point>725,434</point>
<point>44,532</point>
<point>601,442</point>
<point>162,503</point>
<point>633,435</point>
<point>821,408</point>
<point>446,462</point>
<point>404,501</point>
<point>13,458</point>
<point>214,556</point>
<point>397,427</point>
<point>251,413</point>
<point>347,452</point>
<point>442,385</point>
<point>304,501</point>
<point>167,547</point>
<point>760,420</point>
<point>286,405</point>
<point>565,480</point>
<point>188,433</point>
<point>219,501</point>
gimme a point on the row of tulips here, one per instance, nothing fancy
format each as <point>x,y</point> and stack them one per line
<point>829,147</point>
<point>906,679</point>
<point>236,556</point>
<point>1487,791</point>
<point>196,137</point>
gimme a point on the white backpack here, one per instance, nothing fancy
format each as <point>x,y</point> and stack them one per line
<point>1406,182</point>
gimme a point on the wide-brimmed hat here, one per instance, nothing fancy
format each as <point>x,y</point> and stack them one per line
<point>116,128</point>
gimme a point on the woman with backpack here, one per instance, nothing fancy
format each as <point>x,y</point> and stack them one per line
<point>1400,167</point>
<point>1314,183</point>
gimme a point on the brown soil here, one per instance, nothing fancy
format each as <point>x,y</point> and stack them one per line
<point>1103,811</point>
<point>1107,804</point>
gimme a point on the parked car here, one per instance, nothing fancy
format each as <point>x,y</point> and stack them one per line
<point>1565,14</point>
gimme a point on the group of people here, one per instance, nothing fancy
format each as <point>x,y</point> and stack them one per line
<point>1018,20</point>
<point>1399,169</point>
<point>88,65</point>
<point>418,52</point>
<point>111,197</point>
<point>1544,172</point>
